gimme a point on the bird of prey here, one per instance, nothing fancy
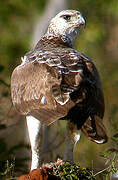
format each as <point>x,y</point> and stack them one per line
<point>55,81</point>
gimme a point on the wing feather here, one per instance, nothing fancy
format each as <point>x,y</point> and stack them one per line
<point>50,83</point>
<point>31,83</point>
<point>55,81</point>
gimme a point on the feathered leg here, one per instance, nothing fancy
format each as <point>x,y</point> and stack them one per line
<point>72,137</point>
<point>33,128</point>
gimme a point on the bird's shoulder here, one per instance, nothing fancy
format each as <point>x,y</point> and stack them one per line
<point>64,59</point>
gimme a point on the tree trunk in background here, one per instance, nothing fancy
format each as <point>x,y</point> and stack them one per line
<point>52,8</point>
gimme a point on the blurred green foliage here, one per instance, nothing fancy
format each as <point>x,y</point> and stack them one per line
<point>8,163</point>
<point>16,25</point>
<point>99,41</point>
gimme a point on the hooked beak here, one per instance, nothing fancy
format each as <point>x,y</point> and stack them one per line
<point>82,21</point>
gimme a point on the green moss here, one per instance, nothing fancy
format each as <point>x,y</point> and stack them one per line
<point>68,171</point>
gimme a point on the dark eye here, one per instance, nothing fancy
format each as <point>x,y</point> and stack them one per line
<point>67,17</point>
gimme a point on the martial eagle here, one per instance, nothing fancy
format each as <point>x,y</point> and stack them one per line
<point>54,81</point>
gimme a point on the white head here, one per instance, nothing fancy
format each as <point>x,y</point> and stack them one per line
<point>67,23</point>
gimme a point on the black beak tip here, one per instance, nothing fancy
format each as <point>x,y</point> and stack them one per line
<point>84,24</point>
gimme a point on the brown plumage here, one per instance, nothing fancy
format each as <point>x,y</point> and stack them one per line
<point>65,77</point>
<point>55,82</point>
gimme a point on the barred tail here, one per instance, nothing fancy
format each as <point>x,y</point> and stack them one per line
<point>94,129</point>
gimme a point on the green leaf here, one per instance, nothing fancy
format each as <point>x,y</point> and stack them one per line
<point>106,153</point>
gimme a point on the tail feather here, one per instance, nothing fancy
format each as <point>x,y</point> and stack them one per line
<point>94,129</point>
